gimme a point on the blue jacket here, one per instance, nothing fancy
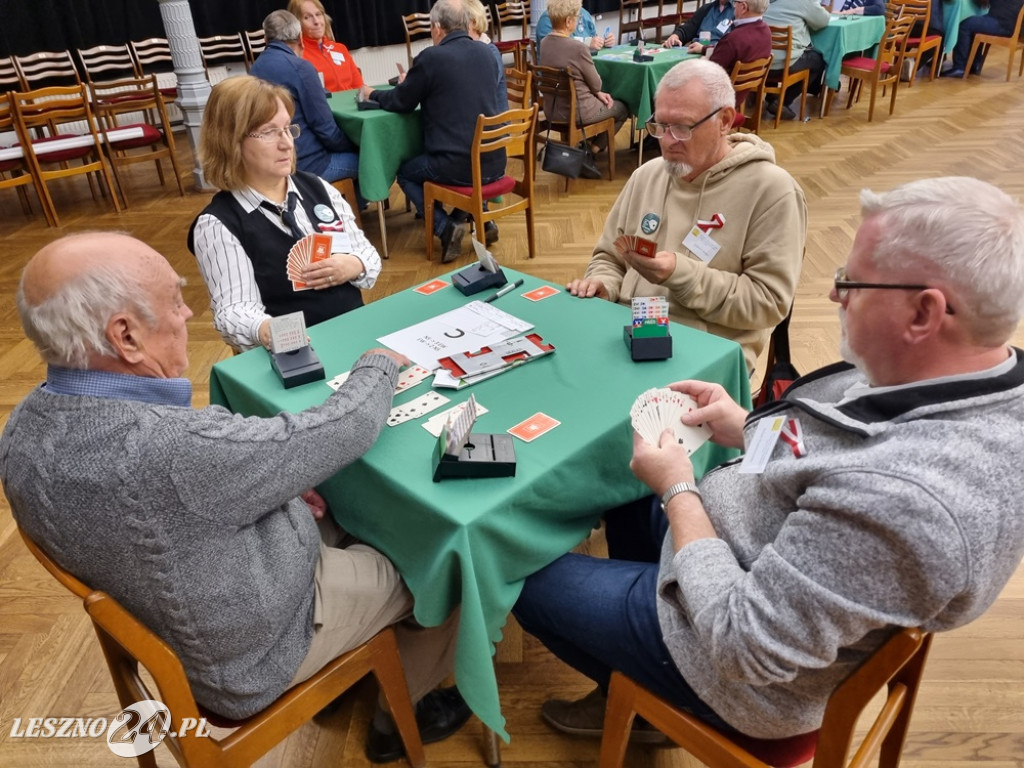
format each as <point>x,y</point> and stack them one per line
<point>320,135</point>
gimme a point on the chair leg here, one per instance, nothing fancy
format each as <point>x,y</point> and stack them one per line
<point>428,219</point>
<point>871,104</point>
<point>396,691</point>
<point>529,231</point>
<point>618,721</point>
<point>970,59</point>
<point>611,152</point>
<point>1009,63</point>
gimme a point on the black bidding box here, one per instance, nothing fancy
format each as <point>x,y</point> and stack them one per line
<point>647,347</point>
<point>475,279</point>
<point>483,455</point>
<point>300,366</point>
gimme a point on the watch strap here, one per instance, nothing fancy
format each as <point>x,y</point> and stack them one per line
<point>678,488</point>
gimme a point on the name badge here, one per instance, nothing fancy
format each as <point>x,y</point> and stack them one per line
<point>701,244</point>
<point>341,242</point>
<point>723,26</point>
<point>766,435</point>
<point>337,58</point>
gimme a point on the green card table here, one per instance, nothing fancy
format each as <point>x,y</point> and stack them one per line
<point>634,82</point>
<point>844,35</point>
<point>472,542</point>
<point>385,139</point>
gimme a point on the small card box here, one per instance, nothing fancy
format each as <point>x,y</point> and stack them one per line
<point>461,453</point>
<point>483,275</point>
<point>646,347</point>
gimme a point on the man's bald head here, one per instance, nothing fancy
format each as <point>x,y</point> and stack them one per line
<point>73,286</point>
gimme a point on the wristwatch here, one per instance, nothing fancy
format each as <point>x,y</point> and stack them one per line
<point>678,488</point>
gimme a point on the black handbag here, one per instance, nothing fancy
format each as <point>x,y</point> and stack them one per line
<point>571,162</point>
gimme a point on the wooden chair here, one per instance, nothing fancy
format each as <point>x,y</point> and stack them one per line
<point>779,81</point>
<point>107,62</point>
<point>47,68</point>
<point>153,57</point>
<point>44,111</point>
<point>132,97</point>
<point>255,43</point>
<point>895,668</point>
<point>518,84</point>
<point>218,50</point>
<point>510,13</point>
<point>127,643</point>
<point>512,131</point>
<point>883,70</point>
<point>921,11</point>
<point>631,19</point>
<point>555,86</point>
<point>1013,43</point>
<point>669,19</point>
<point>10,78</point>
<point>15,171</point>
<point>417,26</point>
<point>749,77</point>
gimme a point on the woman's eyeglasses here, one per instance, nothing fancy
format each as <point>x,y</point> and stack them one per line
<point>270,135</point>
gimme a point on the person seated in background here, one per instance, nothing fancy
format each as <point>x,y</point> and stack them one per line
<point>585,31</point>
<point>803,17</point>
<point>561,50</point>
<point>331,58</point>
<point>199,522</point>
<point>705,27</point>
<point>859,7</point>
<point>1000,20</point>
<point>241,240</point>
<point>452,82</point>
<point>738,277</point>
<point>478,31</point>
<point>747,40</point>
<point>320,147</point>
<point>745,600</point>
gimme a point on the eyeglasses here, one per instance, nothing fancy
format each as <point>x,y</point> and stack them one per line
<point>844,286</point>
<point>272,134</point>
<point>677,132</point>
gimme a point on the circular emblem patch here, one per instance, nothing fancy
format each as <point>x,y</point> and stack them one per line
<point>324,213</point>
<point>650,223</point>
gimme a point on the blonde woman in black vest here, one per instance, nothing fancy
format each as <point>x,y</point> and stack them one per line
<point>241,240</point>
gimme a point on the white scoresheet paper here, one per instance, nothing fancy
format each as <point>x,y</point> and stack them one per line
<point>464,329</point>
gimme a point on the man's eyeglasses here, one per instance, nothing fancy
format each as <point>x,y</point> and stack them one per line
<point>844,286</point>
<point>677,132</point>
<point>271,134</point>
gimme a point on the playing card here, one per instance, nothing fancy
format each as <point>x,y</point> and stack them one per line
<point>534,427</point>
<point>537,294</point>
<point>656,410</point>
<point>410,377</point>
<point>436,423</point>
<point>338,380</point>
<point>415,408</point>
<point>626,244</point>
<point>432,287</point>
<point>311,248</point>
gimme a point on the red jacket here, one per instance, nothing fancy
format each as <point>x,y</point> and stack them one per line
<point>333,60</point>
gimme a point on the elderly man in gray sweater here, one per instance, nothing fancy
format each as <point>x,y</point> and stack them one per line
<point>200,522</point>
<point>887,499</point>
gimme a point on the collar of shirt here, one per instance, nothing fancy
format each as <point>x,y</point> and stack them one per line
<point>118,386</point>
<point>741,22</point>
<point>862,388</point>
<point>250,199</point>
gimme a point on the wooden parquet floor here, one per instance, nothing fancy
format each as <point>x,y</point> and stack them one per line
<point>970,713</point>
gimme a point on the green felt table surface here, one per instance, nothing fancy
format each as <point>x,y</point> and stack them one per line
<point>634,82</point>
<point>473,541</point>
<point>384,138</point>
<point>844,35</point>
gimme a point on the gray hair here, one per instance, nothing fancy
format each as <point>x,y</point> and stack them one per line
<point>963,232</point>
<point>757,7</point>
<point>716,81</point>
<point>71,324</point>
<point>560,10</point>
<point>282,25</point>
<point>450,15</point>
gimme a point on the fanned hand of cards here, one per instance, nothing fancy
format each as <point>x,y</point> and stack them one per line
<point>307,250</point>
<point>659,409</point>
<point>632,244</point>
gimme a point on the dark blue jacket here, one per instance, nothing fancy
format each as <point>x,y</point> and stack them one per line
<point>320,135</point>
<point>452,83</point>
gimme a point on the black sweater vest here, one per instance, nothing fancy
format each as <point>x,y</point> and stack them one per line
<point>267,247</point>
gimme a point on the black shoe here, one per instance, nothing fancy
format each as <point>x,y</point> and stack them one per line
<point>451,241</point>
<point>952,73</point>
<point>976,69</point>
<point>490,233</point>
<point>439,714</point>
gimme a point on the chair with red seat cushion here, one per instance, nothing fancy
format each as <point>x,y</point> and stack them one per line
<point>748,78</point>
<point>883,70</point>
<point>921,11</point>
<point>153,56</point>
<point>141,101</point>
<point>512,131</point>
<point>896,669</point>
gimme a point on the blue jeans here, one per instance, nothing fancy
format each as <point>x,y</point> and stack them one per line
<point>969,27</point>
<point>597,615</point>
<point>344,165</point>
<point>411,176</point>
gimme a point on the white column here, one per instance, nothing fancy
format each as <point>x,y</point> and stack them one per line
<point>193,87</point>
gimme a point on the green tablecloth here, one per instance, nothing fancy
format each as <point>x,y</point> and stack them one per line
<point>843,35</point>
<point>634,82</point>
<point>953,12</point>
<point>474,541</point>
<point>385,139</point>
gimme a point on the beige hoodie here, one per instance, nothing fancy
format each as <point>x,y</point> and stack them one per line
<point>747,287</point>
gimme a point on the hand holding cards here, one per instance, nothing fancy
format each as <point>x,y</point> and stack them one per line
<point>659,409</point>
<point>636,246</point>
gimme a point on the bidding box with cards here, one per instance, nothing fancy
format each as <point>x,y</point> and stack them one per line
<point>472,543</point>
